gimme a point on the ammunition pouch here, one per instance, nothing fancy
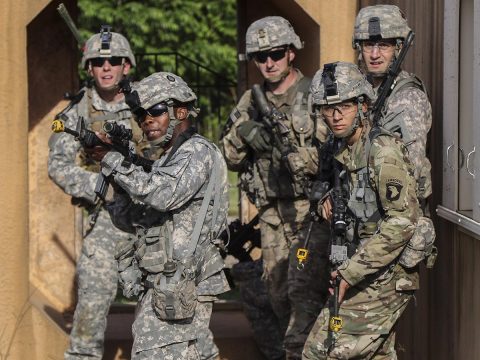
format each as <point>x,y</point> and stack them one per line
<point>151,249</point>
<point>420,247</point>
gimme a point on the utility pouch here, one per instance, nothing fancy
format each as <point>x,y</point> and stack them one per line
<point>420,247</point>
<point>175,293</point>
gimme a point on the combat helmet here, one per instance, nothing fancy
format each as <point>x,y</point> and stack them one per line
<point>270,32</point>
<point>165,88</point>
<point>338,82</point>
<point>107,44</point>
<point>380,22</point>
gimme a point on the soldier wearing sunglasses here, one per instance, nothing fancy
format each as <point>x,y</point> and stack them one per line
<point>280,195</point>
<point>107,58</point>
<point>175,211</point>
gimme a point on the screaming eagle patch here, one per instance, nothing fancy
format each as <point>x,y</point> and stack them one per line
<point>393,186</point>
<point>393,189</point>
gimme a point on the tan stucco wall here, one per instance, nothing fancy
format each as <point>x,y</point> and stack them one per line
<point>25,332</point>
<point>336,19</point>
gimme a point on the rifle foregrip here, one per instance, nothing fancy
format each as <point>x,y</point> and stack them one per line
<point>101,187</point>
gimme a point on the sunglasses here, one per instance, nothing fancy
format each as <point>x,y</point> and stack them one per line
<point>114,61</point>
<point>275,55</point>
<point>153,111</point>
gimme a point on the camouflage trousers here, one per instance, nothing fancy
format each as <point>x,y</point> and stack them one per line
<point>97,286</point>
<point>185,339</point>
<point>369,312</point>
<point>297,296</point>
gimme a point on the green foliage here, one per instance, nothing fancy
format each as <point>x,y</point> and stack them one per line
<point>203,31</point>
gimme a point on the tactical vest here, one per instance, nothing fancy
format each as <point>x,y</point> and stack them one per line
<point>95,119</point>
<point>271,177</point>
<point>151,248</point>
<point>363,204</point>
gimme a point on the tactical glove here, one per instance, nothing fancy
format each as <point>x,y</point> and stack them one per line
<point>255,135</point>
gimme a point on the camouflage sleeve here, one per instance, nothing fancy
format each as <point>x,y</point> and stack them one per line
<point>395,184</point>
<point>414,117</point>
<point>62,167</point>
<point>167,187</point>
<point>232,146</point>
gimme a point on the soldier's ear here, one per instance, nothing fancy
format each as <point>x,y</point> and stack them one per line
<point>291,55</point>
<point>89,69</point>
<point>181,113</point>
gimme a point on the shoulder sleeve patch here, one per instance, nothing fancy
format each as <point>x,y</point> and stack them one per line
<point>393,186</point>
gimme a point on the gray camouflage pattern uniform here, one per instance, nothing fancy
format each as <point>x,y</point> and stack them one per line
<point>378,169</point>
<point>296,296</point>
<point>168,199</point>
<point>96,268</point>
<point>409,114</point>
<point>407,111</point>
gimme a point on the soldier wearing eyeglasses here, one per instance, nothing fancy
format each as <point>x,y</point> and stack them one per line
<point>108,58</point>
<point>279,187</point>
<point>380,216</point>
<point>378,36</point>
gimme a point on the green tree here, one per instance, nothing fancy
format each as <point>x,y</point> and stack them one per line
<point>203,31</point>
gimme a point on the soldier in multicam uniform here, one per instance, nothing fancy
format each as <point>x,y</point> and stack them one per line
<point>280,194</point>
<point>375,287</point>
<point>107,58</point>
<point>175,217</point>
<point>378,36</point>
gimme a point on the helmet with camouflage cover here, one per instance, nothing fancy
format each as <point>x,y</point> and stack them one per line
<point>114,44</point>
<point>270,32</point>
<point>165,88</point>
<point>339,82</point>
<point>380,22</point>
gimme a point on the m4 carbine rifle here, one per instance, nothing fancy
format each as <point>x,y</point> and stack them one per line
<point>338,249</point>
<point>120,137</point>
<point>273,119</point>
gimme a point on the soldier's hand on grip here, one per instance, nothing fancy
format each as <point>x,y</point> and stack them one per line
<point>255,135</point>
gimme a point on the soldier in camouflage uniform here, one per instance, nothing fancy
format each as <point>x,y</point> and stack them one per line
<point>75,171</point>
<point>375,287</point>
<point>175,216</point>
<point>378,36</point>
<point>278,185</point>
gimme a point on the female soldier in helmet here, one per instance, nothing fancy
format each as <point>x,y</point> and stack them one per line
<point>382,212</point>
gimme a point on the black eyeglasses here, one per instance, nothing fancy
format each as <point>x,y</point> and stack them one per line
<point>114,61</point>
<point>342,108</point>
<point>153,111</point>
<point>275,55</point>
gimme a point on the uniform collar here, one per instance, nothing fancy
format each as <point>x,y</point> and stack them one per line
<point>101,105</point>
<point>287,98</point>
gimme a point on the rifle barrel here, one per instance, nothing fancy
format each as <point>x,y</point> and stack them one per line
<point>62,10</point>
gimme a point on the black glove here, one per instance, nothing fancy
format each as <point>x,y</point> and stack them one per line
<point>255,135</point>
